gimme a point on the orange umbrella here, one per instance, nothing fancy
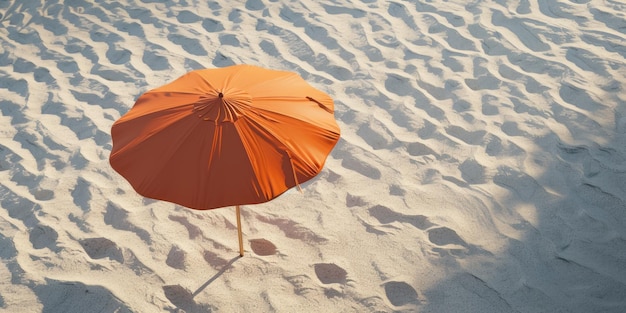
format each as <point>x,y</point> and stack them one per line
<point>221,137</point>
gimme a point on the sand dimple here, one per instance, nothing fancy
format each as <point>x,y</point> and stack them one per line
<point>329,273</point>
<point>262,247</point>
<point>400,293</point>
<point>444,236</point>
<point>176,258</point>
<point>118,219</point>
<point>42,236</point>
<point>194,231</point>
<point>182,298</point>
<point>385,216</point>
<point>98,248</point>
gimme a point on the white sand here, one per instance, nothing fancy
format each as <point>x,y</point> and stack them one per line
<point>482,165</point>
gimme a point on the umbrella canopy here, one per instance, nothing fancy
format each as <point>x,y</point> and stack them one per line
<point>220,137</point>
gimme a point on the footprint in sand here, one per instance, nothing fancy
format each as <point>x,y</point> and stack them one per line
<point>193,230</point>
<point>419,149</point>
<point>187,17</point>
<point>525,32</point>
<point>358,165</point>
<point>524,185</point>
<point>191,45</point>
<point>255,5</point>
<point>472,171</point>
<point>376,134</point>
<point>579,97</point>
<point>329,273</point>
<point>117,217</point>
<point>336,10</point>
<point>302,284</point>
<point>42,236</point>
<point>118,55</point>
<point>229,40</point>
<point>98,248</point>
<point>400,293</point>
<point>512,129</point>
<point>212,25</point>
<point>292,229</point>
<point>399,85</point>
<point>385,215</point>
<point>442,236</point>
<point>7,250</point>
<point>262,247</point>
<point>178,295</point>
<point>469,137</point>
<point>42,194</point>
<point>182,298</point>
<point>352,201</point>
<point>81,194</point>
<point>176,258</point>
<point>214,260</point>
<point>20,208</point>
<point>490,106</point>
<point>396,190</point>
<point>154,57</point>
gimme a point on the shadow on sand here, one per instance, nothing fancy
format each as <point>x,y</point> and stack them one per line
<point>216,276</point>
<point>183,299</point>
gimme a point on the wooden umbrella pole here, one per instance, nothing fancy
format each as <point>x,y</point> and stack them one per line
<point>238,210</point>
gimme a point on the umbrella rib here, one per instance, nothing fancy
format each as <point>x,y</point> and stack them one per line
<point>260,113</point>
<point>178,143</point>
<point>217,136</point>
<point>293,171</point>
<point>146,116</point>
<point>130,147</point>
<point>325,108</point>
<point>246,146</point>
<point>321,105</point>
<point>284,149</point>
<point>290,117</point>
<point>203,78</point>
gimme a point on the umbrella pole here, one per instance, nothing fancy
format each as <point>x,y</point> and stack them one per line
<point>237,209</point>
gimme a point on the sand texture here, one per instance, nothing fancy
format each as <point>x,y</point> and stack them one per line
<point>481,168</point>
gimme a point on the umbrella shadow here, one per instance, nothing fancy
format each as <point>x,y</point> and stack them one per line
<point>216,276</point>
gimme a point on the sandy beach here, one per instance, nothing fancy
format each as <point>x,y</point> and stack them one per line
<point>481,165</point>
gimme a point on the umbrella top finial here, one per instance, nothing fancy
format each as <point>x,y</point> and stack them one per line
<point>222,109</point>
